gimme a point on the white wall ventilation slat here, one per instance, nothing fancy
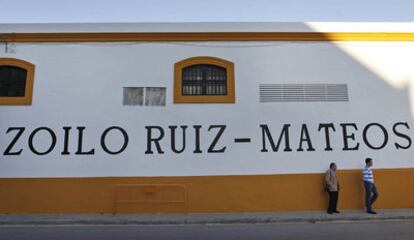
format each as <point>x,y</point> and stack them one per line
<point>303,92</point>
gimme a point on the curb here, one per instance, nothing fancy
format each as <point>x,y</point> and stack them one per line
<point>198,219</point>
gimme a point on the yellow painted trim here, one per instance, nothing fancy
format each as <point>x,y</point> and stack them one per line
<point>178,67</point>
<point>209,36</point>
<point>30,68</point>
<point>284,192</point>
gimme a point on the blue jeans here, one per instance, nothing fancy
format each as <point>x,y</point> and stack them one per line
<point>370,189</point>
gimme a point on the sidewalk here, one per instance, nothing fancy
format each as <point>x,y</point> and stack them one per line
<point>201,218</point>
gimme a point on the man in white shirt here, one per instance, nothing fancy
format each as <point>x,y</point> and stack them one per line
<point>370,188</point>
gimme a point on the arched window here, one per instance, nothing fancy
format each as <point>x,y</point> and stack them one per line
<point>16,82</point>
<point>204,80</point>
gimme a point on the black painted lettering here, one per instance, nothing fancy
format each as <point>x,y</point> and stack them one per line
<point>80,144</point>
<point>173,146</point>
<point>103,140</point>
<point>9,148</point>
<point>326,127</point>
<point>33,134</point>
<point>216,139</point>
<point>156,140</point>
<point>66,141</point>
<point>304,137</point>
<point>402,135</point>
<point>384,136</point>
<point>197,148</point>
<point>284,134</point>
<point>346,136</point>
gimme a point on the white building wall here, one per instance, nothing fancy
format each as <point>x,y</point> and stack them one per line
<point>80,84</point>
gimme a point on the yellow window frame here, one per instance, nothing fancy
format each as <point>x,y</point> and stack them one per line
<point>178,69</point>
<point>30,68</point>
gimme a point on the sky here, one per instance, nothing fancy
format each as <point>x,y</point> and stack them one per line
<point>58,11</point>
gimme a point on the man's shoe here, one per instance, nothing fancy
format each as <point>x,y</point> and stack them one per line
<point>336,211</point>
<point>371,212</point>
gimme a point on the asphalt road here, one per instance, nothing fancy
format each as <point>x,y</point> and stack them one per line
<point>401,230</point>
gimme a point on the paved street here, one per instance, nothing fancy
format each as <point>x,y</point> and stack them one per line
<point>365,230</point>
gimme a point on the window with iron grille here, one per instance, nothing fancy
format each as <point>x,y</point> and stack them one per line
<point>204,80</point>
<point>12,81</point>
<point>16,81</point>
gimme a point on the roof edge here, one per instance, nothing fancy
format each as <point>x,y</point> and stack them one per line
<point>197,27</point>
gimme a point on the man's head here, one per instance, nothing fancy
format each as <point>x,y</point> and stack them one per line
<point>332,166</point>
<point>369,162</point>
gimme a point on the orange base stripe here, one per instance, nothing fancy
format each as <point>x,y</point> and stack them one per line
<point>287,192</point>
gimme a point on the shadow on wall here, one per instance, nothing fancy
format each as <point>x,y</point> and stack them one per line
<point>387,65</point>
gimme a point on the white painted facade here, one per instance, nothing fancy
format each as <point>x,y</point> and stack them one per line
<point>81,84</point>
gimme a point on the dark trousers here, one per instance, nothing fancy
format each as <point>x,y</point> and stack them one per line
<point>371,195</point>
<point>333,201</point>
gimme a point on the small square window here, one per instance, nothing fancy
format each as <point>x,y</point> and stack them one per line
<point>133,96</point>
<point>155,96</point>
